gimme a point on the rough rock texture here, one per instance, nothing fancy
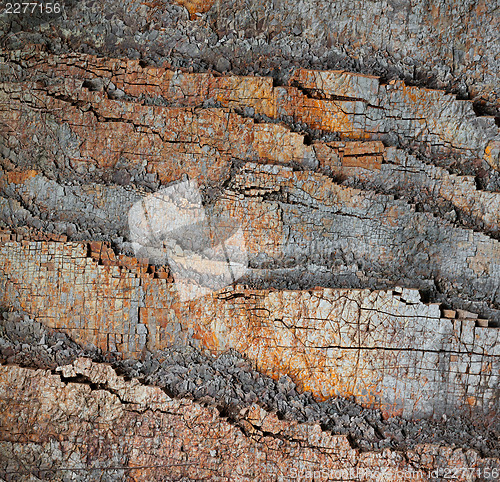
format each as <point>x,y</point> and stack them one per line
<point>445,43</point>
<point>87,420</point>
<point>229,382</point>
<point>384,348</point>
<point>364,334</point>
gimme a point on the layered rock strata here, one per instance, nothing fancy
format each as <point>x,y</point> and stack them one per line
<point>91,423</point>
<point>369,212</point>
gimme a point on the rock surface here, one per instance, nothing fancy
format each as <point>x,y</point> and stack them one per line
<point>88,422</point>
<point>384,348</point>
<point>444,44</point>
<point>349,210</point>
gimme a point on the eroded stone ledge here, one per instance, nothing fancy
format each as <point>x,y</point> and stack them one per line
<point>385,348</point>
<point>85,404</point>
